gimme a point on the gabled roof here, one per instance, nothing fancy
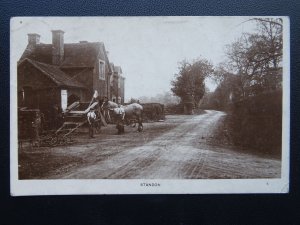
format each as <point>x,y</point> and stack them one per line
<point>82,54</point>
<point>55,74</point>
<point>41,53</point>
<point>118,69</point>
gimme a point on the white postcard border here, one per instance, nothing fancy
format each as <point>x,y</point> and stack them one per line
<point>140,186</point>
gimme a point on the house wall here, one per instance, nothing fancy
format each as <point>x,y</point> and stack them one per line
<point>122,90</point>
<point>90,78</point>
<point>115,89</point>
<point>47,98</point>
<point>107,81</point>
<point>102,85</point>
<point>42,99</point>
<point>84,76</point>
<point>98,84</point>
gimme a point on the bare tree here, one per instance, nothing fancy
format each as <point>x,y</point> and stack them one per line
<point>257,57</point>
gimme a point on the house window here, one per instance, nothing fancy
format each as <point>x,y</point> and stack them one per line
<point>119,82</point>
<point>101,70</point>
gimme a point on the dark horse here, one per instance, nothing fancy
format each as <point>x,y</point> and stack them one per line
<point>132,111</point>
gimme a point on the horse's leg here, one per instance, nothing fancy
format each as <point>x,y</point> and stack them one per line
<point>108,117</point>
<point>133,120</point>
<point>140,121</point>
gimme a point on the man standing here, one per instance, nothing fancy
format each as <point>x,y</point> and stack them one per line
<point>91,116</point>
<point>57,116</point>
<point>120,114</point>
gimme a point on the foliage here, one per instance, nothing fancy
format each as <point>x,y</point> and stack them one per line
<point>224,94</point>
<point>253,65</point>
<point>189,82</point>
<point>257,58</point>
<point>256,123</point>
<point>133,100</point>
<point>250,88</point>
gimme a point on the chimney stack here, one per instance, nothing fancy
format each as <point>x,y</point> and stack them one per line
<point>33,39</point>
<point>57,47</point>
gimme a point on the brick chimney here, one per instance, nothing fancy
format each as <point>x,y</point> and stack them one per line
<point>57,47</point>
<point>33,39</point>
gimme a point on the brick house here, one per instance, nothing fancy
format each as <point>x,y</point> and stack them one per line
<point>61,73</point>
<point>117,84</point>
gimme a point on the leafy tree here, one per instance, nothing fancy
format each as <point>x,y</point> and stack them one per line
<point>253,68</point>
<point>133,100</point>
<point>227,91</point>
<point>257,57</point>
<point>189,82</point>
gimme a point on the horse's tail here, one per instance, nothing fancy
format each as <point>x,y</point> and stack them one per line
<point>142,111</point>
<point>142,108</point>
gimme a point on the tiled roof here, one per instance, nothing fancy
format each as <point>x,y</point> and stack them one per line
<point>117,69</point>
<point>55,74</point>
<point>41,53</point>
<point>81,54</point>
<point>75,54</point>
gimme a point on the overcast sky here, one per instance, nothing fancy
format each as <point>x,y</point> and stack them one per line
<point>147,48</point>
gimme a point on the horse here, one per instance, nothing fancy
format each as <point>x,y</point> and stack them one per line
<point>131,111</point>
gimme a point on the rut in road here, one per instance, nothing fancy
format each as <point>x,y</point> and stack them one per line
<point>177,154</point>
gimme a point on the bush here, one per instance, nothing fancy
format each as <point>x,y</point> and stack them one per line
<point>172,109</point>
<point>257,122</point>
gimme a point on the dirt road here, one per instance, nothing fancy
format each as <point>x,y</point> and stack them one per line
<point>176,149</point>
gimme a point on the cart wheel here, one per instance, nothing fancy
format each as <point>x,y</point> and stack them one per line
<point>140,128</point>
<point>61,141</point>
<point>67,140</point>
<point>53,141</point>
<point>70,140</point>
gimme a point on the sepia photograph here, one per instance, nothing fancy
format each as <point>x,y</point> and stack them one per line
<point>149,105</point>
